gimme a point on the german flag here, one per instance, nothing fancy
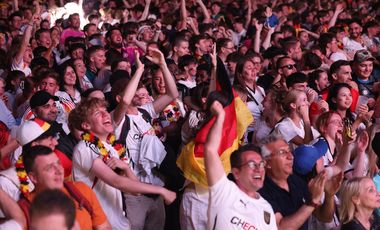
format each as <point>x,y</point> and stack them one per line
<point>237,119</point>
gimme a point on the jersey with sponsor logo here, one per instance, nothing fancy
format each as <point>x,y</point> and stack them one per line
<point>231,208</point>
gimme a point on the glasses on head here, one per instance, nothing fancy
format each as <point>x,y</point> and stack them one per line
<point>254,165</point>
<point>289,66</point>
<point>282,152</point>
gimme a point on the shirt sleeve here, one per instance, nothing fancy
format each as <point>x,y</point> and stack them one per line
<point>10,224</point>
<point>286,131</point>
<point>83,158</point>
<point>221,191</point>
<point>150,109</point>
<point>98,216</point>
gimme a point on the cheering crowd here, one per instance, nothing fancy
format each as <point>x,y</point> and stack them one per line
<point>191,115</point>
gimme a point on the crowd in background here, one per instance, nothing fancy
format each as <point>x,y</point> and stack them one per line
<point>103,99</point>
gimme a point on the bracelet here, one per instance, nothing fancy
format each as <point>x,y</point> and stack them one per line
<point>311,203</point>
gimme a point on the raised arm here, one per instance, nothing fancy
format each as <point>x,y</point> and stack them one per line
<point>183,10</point>
<point>171,88</point>
<point>249,14</point>
<point>338,10</point>
<point>129,91</point>
<point>205,12</point>
<point>146,11</point>
<point>214,62</point>
<point>266,42</point>
<point>257,41</point>
<point>214,167</point>
<point>15,5</point>
<point>25,40</point>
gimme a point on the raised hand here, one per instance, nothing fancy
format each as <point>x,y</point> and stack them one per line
<point>139,64</point>
<point>332,185</point>
<point>216,108</point>
<point>258,26</point>
<point>213,56</point>
<point>316,187</point>
<point>155,56</point>
<point>339,8</point>
<point>268,12</point>
<point>362,142</point>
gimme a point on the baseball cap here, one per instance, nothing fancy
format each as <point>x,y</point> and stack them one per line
<point>305,156</point>
<point>363,55</point>
<point>41,98</point>
<point>33,129</point>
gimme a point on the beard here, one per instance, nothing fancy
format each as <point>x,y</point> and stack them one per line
<point>117,45</point>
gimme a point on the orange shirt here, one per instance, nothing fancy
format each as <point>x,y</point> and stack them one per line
<point>85,220</point>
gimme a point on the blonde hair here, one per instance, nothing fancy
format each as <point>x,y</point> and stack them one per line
<point>350,189</point>
<point>290,97</point>
<point>84,110</point>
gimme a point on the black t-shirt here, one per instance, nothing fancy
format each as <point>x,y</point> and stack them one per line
<point>284,202</point>
<point>353,225</point>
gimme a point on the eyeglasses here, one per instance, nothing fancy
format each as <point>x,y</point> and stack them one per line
<point>282,152</point>
<point>289,66</point>
<point>254,165</point>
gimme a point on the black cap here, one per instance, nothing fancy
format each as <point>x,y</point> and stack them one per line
<point>41,98</point>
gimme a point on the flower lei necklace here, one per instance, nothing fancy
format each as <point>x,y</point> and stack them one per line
<point>111,139</point>
<point>22,176</point>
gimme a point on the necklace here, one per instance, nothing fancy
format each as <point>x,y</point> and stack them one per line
<point>111,139</point>
<point>22,176</point>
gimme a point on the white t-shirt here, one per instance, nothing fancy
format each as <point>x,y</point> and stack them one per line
<point>10,224</point>
<point>138,128</point>
<point>230,208</point>
<point>262,130</point>
<point>193,210</point>
<point>352,45</point>
<point>189,84</point>
<point>288,130</point>
<point>76,99</point>
<point>10,184</point>
<point>21,66</point>
<point>109,197</point>
<point>255,103</point>
<point>338,56</point>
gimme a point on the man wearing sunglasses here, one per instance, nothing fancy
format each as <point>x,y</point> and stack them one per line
<point>285,67</point>
<point>235,206</point>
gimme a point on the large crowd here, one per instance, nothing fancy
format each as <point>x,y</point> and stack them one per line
<point>191,115</point>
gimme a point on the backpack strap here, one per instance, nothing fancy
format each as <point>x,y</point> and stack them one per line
<point>146,116</point>
<point>24,204</point>
<point>127,125</point>
<point>124,130</point>
<point>78,196</point>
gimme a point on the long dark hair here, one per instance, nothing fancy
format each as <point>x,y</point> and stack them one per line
<point>333,93</point>
<point>62,71</point>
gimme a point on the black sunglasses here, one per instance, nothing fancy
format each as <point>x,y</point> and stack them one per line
<point>289,66</point>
